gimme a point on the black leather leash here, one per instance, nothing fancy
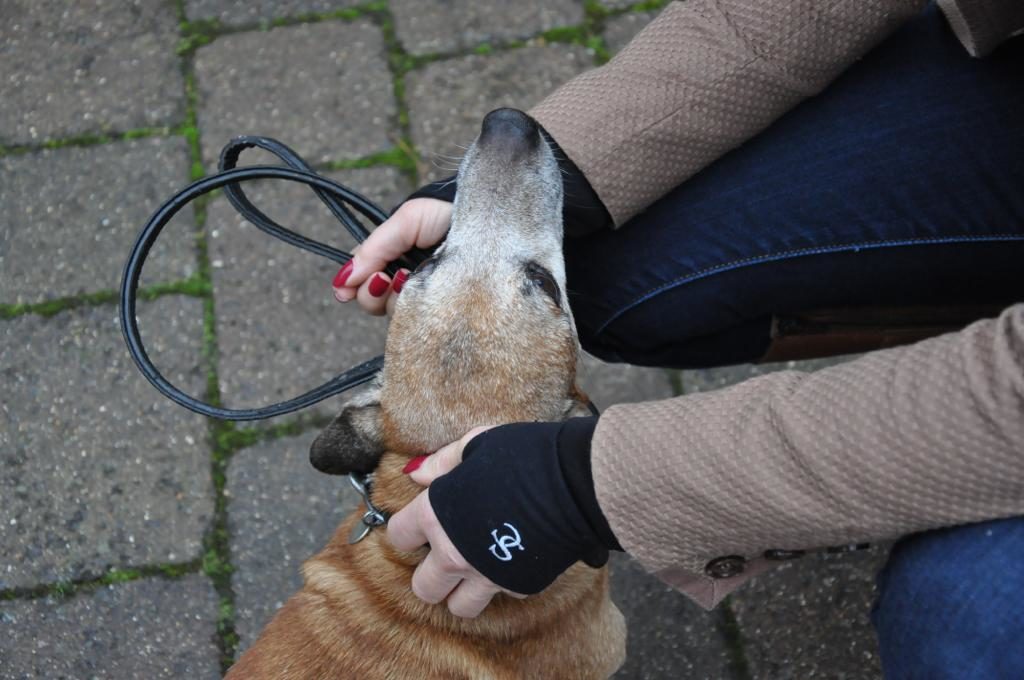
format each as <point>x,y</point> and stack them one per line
<point>337,198</point>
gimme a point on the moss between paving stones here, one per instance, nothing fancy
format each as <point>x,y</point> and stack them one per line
<point>71,588</point>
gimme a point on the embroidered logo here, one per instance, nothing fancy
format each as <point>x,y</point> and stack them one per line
<point>505,542</point>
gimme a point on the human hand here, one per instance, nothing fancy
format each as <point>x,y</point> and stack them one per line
<point>444,573</point>
<point>509,518</point>
<point>420,223</point>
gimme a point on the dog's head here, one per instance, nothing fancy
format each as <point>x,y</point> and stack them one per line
<point>482,332</point>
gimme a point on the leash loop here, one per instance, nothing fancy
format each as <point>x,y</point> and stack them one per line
<point>338,200</point>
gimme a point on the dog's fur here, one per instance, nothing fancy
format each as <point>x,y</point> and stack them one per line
<point>481,334</point>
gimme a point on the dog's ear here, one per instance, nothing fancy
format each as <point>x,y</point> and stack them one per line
<point>353,441</point>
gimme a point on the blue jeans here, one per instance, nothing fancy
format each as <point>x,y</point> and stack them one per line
<point>901,184</point>
<point>951,604</point>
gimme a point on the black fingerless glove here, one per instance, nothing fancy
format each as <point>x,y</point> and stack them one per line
<point>521,506</point>
<point>582,211</point>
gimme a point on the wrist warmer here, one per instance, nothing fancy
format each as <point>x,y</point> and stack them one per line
<point>582,210</point>
<point>521,506</point>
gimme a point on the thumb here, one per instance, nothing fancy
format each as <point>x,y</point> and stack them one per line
<point>444,459</point>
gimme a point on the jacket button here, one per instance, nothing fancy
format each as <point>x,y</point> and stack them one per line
<point>850,547</point>
<point>724,567</point>
<point>780,555</point>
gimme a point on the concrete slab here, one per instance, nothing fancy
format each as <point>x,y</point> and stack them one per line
<point>71,216</point>
<point>97,469</point>
<point>152,628</point>
<point>669,636</point>
<point>431,26</point>
<point>279,328</point>
<point>323,89</point>
<point>77,68</point>
<point>810,618</point>
<point>448,99</point>
<point>236,13</point>
<point>619,30</point>
<point>281,511</point>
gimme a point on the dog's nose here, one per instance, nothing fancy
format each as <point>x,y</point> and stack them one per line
<point>509,129</point>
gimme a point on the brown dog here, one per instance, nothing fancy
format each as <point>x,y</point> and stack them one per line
<point>481,334</point>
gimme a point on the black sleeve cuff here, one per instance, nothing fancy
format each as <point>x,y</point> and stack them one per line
<point>509,509</point>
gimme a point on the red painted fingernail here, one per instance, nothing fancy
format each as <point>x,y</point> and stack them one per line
<point>414,464</point>
<point>378,285</point>
<point>400,278</point>
<point>342,276</point>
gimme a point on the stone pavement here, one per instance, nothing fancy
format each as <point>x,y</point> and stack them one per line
<point>140,541</point>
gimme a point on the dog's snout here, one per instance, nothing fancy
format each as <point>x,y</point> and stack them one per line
<point>509,129</point>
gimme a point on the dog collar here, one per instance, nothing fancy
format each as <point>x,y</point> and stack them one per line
<point>373,517</point>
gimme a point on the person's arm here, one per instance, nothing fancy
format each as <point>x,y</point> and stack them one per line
<point>898,441</point>
<point>701,79</point>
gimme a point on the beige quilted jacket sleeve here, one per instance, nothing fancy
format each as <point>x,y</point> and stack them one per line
<point>899,441</point>
<point>702,78</point>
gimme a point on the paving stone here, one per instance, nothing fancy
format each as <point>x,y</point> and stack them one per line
<point>97,469</point>
<point>608,384</point>
<point>707,379</point>
<point>810,618</point>
<point>86,67</point>
<point>429,26</point>
<point>152,628</point>
<point>279,328</point>
<point>281,512</point>
<point>621,29</point>
<point>323,89</point>
<point>72,214</point>
<point>246,12</point>
<point>669,636</point>
<point>448,99</point>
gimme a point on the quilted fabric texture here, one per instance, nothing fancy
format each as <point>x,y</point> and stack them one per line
<point>702,78</point>
<point>899,441</point>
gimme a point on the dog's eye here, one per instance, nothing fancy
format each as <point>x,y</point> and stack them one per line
<point>542,279</point>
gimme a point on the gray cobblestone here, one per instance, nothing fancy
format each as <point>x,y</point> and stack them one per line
<point>282,511</point>
<point>607,384</point>
<point>323,89</point>
<point>807,618</point>
<point>669,636</point>
<point>96,468</point>
<point>621,29</point>
<point>71,215</point>
<point>448,99</point>
<point>242,12</point>
<point>810,618</point>
<point>87,67</point>
<point>428,26</point>
<point>279,328</point>
<point>153,628</point>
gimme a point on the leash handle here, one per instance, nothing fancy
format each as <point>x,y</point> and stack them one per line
<point>334,195</point>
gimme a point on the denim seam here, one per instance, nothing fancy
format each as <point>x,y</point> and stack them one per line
<point>789,254</point>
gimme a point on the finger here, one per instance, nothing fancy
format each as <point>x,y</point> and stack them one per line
<point>374,293</point>
<point>406,530</point>
<point>396,288</point>
<point>421,222</point>
<point>445,459</point>
<point>438,574</point>
<point>471,597</point>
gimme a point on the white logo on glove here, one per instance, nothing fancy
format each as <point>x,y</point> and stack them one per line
<point>505,542</point>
